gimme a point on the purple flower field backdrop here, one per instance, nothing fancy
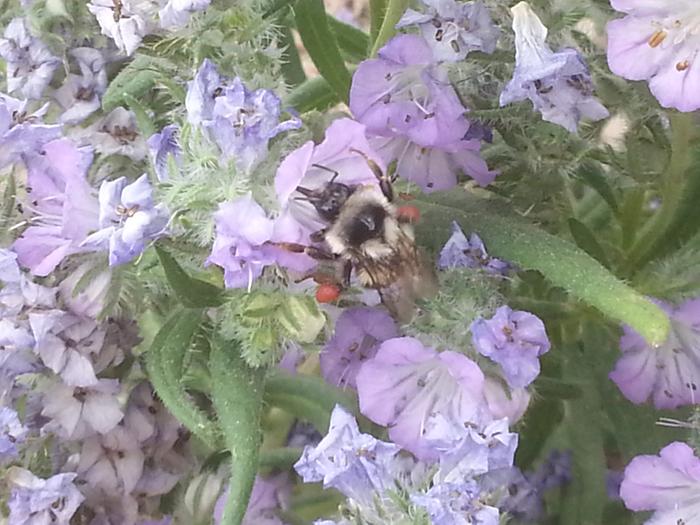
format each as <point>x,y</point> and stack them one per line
<point>451,278</point>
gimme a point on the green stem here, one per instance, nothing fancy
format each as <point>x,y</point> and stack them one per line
<point>394,11</point>
<point>237,392</point>
<point>659,225</point>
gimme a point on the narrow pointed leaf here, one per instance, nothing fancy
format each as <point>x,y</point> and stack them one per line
<point>561,262</point>
<point>192,293</point>
<point>585,240</point>
<point>353,42</point>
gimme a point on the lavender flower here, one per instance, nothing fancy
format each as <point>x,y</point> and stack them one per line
<point>37,501</point>
<point>90,301</point>
<point>243,122</point>
<point>504,402</point>
<point>460,252</point>
<point>78,412</point>
<point>176,13</point>
<point>128,219</point>
<point>164,149</point>
<point>658,42</point>
<point>514,340</point>
<point>338,153</point>
<point>202,92</point>
<point>558,84</point>
<point>667,484</point>
<point>80,94</point>
<point>62,206</point>
<point>670,373</point>
<point>116,134</point>
<point>20,131</point>
<point>345,459</point>
<point>30,65</point>
<point>12,433</point>
<point>406,386</point>
<point>269,495</point>
<point>358,333</point>
<point>435,168</point>
<point>401,92</point>
<point>454,29</point>
<point>456,504</point>
<point>121,21</point>
<point>66,344</point>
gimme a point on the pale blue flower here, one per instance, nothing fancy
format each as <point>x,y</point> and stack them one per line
<point>462,252</point>
<point>354,463</point>
<point>126,24</point>
<point>12,433</point>
<point>163,147</point>
<point>243,122</point>
<point>454,29</point>
<point>128,219</point>
<point>116,133</point>
<point>558,84</point>
<point>30,65</point>
<point>456,504</point>
<point>36,501</point>
<point>22,131</point>
<point>202,90</point>
<point>80,94</point>
<point>176,13</point>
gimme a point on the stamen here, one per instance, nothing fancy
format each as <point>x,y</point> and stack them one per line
<point>657,38</point>
<point>682,66</point>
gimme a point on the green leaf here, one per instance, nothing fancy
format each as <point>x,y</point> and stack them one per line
<point>543,417</point>
<point>377,10</point>
<point>593,177</point>
<point>143,119</point>
<point>237,393</point>
<point>164,364</point>
<point>353,42</point>
<point>136,79</point>
<point>315,93</point>
<point>322,46</point>
<point>279,458</point>
<point>585,240</point>
<point>291,63</point>
<point>561,262</point>
<point>192,293</point>
<point>394,11</point>
<point>308,397</point>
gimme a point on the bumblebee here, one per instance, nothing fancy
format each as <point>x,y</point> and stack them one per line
<point>367,233</point>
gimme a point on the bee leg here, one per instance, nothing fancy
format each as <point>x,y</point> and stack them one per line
<point>384,180</point>
<point>311,251</point>
<point>347,272</point>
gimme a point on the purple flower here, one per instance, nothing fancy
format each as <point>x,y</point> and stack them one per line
<point>202,92</point>
<point>435,168</point>
<point>555,471</point>
<point>524,499</point>
<point>403,93</point>
<point>358,333</point>
<point>453,29</point>
<point>269,495</point>
<point>242,229</point>
<point>78,412</point>
<point>80,94</point>
<point>66,344</point>
<point>243,122</point>
<point>20,131</point>
<point>164,149</point>
<point>128,219</point>
<point>668,484</point>
<point>354,463</point>
<point>116,134</point>
<point>456,503</point>
<point>111,463</point>
<point>61,205</point>
<point>176,13</point>
<point>406,386</point>
<point>658,42</point>
<point>123,22</point>
<point>12,433</point>
<point>90,301</point>
<point>35,501</point>
<point>30,65</point>
<point>558,84</point>
<point>338,153</point>
<point>460,252</point>
<point>514,340</point>
<point>670,373</point>
<point>505,402</point>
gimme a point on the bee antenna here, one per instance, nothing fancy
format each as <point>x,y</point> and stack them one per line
<point>372,165</point>
<point>321,166</point>
<point>306,192</point>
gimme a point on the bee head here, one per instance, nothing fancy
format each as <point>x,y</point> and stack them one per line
<point>328,200</point>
